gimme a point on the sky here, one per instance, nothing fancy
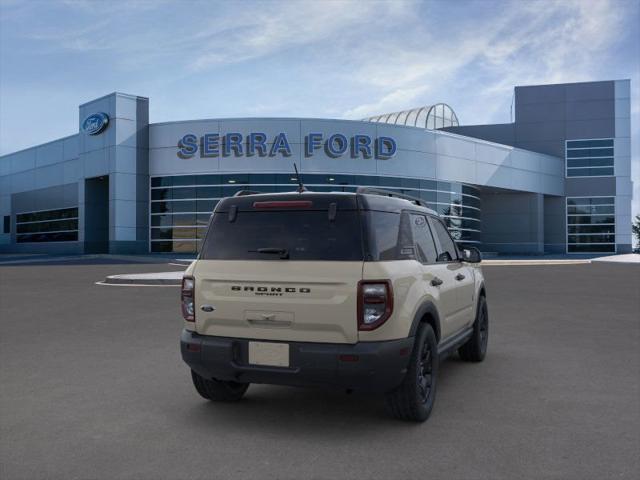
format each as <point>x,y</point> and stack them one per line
<point>324,59</point>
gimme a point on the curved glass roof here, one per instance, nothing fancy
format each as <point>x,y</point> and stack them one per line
<point>431,117</point>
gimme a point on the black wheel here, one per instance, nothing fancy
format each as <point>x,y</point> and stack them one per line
<point>217,390</point>
<point>413,399</point>
<point>476,347</point>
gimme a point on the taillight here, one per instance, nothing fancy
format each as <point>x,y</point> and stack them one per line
<point>375,303</point>
<point>187,298</point>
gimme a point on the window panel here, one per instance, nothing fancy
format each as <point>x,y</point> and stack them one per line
<point>184,219</point>
<point>184,206</point>
<point>47,215</point>
<point>161,194</point>
<point>597,238</point>
<point>60,225</point>
<point>590,225</point>
<point>591,228</point>
<point>206,205</point>
<point>161,233</point>
<point>428,196</point>
<point>176,199</point>
<point>161,220</point>
<point>235,179</point>
<point>185,247</point>
<point>203,219</point>
<point>161,207</point>
<point>208,180</point>
<point>591,201</point>
<point>590,209</point>
<point>589,143</point>
<point>590,248</point>
<point>590,152</point>
<point>589,162</point>
<point>590,219</point>
<point>201,232</point>
<point>590,172</point>
<point>47,237</point>
<point>162,181</point>
<point>184,180</point>
<point>162,247</point>
<point>184,193</point>
<point>595,158</point>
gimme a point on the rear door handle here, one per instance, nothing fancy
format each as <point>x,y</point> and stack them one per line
<point>460,277</point>
<point>436,281</point>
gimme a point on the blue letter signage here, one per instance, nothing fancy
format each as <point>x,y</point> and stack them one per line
<point>258,144</point>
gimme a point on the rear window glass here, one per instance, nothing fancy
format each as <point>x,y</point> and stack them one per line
<point>389,236</point>
<point>303,234</point>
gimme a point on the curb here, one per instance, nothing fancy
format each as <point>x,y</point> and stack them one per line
<point>504,263</point>
<point>141,280</point>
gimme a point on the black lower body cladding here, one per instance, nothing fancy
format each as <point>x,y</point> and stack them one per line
<point>364,366</point>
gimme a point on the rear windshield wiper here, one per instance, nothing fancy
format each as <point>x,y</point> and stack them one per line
<point>283,252</point>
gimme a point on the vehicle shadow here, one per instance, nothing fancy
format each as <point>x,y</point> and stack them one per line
<point>296,411</point>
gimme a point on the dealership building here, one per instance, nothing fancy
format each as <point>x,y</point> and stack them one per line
<point>555,180</point>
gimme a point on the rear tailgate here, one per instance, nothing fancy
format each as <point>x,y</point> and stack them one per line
<point>281,267</point>
<point>278,300</point>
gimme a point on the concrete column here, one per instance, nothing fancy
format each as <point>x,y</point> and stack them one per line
<point>121,152</point>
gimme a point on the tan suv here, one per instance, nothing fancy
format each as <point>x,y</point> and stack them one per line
<point>363,291</point>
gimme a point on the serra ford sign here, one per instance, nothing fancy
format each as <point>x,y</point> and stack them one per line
<point>258,144</point>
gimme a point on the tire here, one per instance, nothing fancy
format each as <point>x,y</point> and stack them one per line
<point>413,399</point>
<point>217,390</point>
<point>476,347</point>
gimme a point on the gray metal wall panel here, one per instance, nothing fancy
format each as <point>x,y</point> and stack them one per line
<point>503,133</point>
<point>60,196</point>
<point>590,187</point>
<point>512,222</point>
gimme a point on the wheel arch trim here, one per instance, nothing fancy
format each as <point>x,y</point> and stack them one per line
<point>427,308</point>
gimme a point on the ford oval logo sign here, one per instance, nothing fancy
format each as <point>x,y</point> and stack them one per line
<point>95,123</point>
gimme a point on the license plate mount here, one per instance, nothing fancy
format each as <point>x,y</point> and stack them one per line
<point>269,354</point>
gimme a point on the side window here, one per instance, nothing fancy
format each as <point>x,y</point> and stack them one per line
<point>446,247</point>
<point>7,224</point>
<point>383,230</point>
<point>423,239</point>
<point>388,236</point>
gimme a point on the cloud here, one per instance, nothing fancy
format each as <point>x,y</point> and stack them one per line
<point>263,31</point>
<point>387,104</point>
<point>525,44</point>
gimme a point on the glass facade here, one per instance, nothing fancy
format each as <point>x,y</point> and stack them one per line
<point>589,158</point>
<point>430,117</point>
<point>591,225</point>
<point>181,205</point>
<point>59,225</point>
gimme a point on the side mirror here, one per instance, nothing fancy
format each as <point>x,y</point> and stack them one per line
<point>471,255</point>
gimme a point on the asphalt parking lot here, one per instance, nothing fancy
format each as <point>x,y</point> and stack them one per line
<point>92,387</point>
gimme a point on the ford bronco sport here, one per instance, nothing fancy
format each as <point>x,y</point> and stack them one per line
<point>363,291</point>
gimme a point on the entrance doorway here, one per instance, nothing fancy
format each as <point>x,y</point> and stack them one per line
<point>96,215</point>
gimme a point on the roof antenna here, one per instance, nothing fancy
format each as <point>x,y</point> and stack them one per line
<point>301,187</point>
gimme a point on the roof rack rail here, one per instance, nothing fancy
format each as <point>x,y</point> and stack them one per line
<point>242,193</point>
<point>388,193</point>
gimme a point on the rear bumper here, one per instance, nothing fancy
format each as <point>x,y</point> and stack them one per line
<point>369,366</point>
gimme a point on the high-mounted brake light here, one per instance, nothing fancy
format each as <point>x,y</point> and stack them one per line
<point>375,303</point>
<point>284,204</point>
<point>187,296</point>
